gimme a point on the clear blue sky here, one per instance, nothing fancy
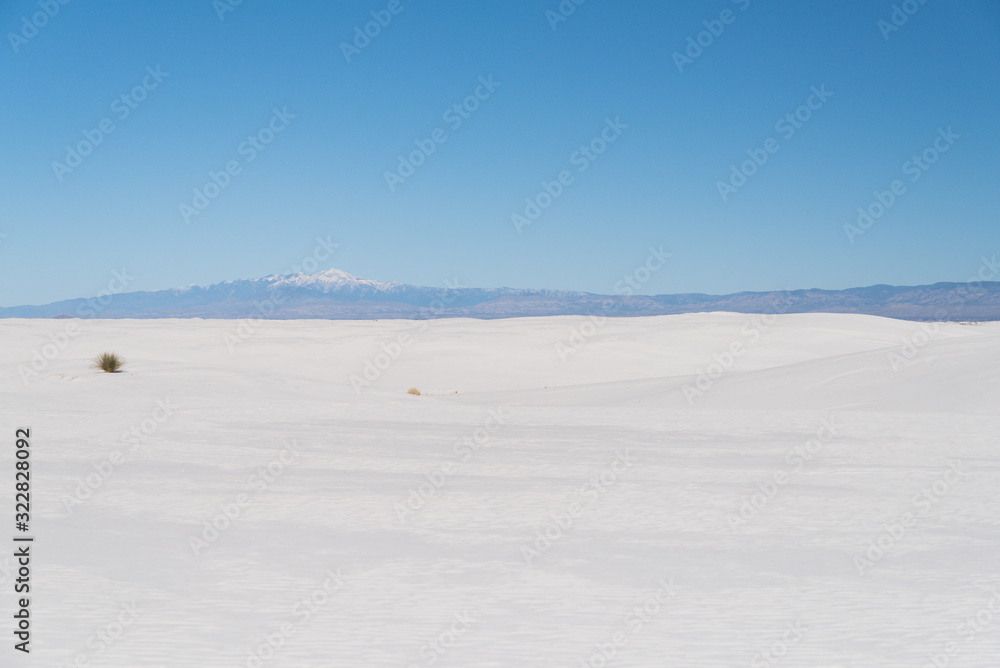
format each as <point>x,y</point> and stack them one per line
<point>656,184</point>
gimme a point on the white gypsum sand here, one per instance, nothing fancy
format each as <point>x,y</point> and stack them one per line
<point>582,497</point>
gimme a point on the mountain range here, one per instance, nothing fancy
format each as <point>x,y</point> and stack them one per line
<point>334,294</point>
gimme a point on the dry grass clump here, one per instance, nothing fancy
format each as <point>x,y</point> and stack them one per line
<point>109,362</point>
<point>413,390</point>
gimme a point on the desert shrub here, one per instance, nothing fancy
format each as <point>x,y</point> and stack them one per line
<point>109,362</point>
<point>413,390</point>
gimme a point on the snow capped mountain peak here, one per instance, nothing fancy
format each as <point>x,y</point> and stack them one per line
<point>335,279</point>
<point>335,294</point>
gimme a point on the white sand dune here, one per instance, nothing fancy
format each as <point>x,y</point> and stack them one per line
<point>818,502</point>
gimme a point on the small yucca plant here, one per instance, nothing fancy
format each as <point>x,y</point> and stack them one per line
<point>413,390</point>
<point>109,362</point>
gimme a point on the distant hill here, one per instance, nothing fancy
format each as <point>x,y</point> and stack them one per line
<point>334,294</point>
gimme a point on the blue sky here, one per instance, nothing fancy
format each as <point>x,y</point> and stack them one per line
<point>555,85</point>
